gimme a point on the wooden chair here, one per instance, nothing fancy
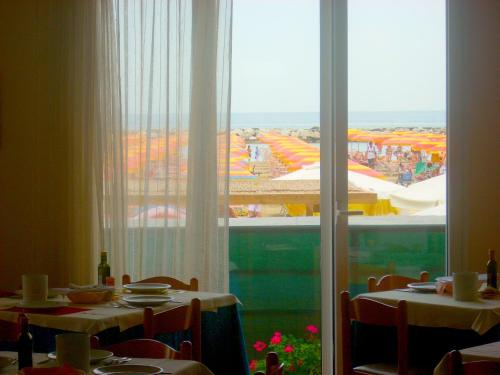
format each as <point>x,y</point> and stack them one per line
<point>457,367</point>
<point>176,284</point>
<point>389,282</point>
<point>179,318</point>
<point>148,348</point>
<point>273,365</point>
<point>368,311</point>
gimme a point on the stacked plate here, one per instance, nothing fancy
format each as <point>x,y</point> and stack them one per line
<point>423,287</point>
<point>127,370</point>
<point>96,355</point>
<point>147,288</point>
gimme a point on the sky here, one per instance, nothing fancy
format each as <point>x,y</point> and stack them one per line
<point>396,55</point>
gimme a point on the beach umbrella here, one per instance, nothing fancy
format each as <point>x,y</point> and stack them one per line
<point>400,141</point>
<point>425,194</point>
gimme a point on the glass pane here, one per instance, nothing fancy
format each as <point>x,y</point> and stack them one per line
<point>397,139</point>
<point>274,244</point>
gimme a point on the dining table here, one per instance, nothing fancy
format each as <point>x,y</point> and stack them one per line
<point>486,352</point>
<point>223,345</point>
<point>168,366</point>
<point>437,324</point>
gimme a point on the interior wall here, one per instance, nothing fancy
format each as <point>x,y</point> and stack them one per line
<point>33,178</point>
<point>474,125</point>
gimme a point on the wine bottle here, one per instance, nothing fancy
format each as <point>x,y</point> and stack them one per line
<point>491,270</point>
<point>24,344</point>
<point>103,270</point>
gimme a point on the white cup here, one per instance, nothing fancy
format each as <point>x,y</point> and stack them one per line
<point>73,349</point>
<point>465,285</point>
<point>35,288</point>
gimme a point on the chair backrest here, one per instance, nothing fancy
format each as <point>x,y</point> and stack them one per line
<point>9,331</point>
<point>457,367</point>
<point>177,319</point>
<point>148,348</point>
<point>176,284</point>
<point>273,365</point>
<point>389,282</point>
<point>369,311</point>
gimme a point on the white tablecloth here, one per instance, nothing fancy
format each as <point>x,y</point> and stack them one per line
<point>434,310</point>
<point>176,367</point>
<point>103,316</point>
<point>490,352</point>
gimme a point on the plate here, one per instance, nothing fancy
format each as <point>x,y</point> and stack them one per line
<point>428,287</point>
<point>127,369</point>
<point>449,279</point>
<point>6,361</point>
<point>96,355</point>
<point>147,287</point>
<point>42,304</point>
<point>51,293</point>
<point>143,301</point>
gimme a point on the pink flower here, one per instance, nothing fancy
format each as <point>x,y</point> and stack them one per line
<point>312,329</point>
<point>276,339</point>
<point>253,365</point>
<point>288,349</point>
<point>277,333</point>
<point>259,346</point>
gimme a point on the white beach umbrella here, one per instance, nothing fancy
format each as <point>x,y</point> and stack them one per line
<point>358,180</point>
<point>433,211</point>
<point>425,194</point>
<point>375,185</point>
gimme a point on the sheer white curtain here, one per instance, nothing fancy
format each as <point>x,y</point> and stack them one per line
<point>89,101</point>
<point>165,179</point>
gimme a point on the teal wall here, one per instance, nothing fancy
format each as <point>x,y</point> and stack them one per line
<point>275,270</point>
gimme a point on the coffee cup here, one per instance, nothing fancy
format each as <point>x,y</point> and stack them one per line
<point>35,288</point>
<point>73,349</point>
<point>465,286</point>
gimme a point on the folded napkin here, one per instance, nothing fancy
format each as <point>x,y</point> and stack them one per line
<point>6,293</point>
<point>63,370</point>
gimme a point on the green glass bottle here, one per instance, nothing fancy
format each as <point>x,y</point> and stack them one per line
<point>103,270</point>
<point>491,269</point>
<point>24,344</point>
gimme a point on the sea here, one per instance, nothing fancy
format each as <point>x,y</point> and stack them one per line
<point>357,119</point>
<point>308,120</point>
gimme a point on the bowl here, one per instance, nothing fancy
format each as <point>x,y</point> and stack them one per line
<point>90,297</point>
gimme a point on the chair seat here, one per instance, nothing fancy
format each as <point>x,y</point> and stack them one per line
<point>388,369</point>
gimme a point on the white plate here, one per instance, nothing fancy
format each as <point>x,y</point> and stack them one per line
<point>428,287</point>
<point>143,301</point>
<point>127,369</point>
<point>6,361</point>
<point>51,293</point>
<point>96,355</point>
<point>449,279</point>
<point>147,287</point>
<point>42,304</point>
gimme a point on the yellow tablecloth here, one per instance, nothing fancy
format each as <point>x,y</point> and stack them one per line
<point>176,367</point>
<point>103,316</point>
<point>490,352</point>
<point>434,310</point>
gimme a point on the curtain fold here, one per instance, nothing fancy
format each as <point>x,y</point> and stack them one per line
<point>147,102</point>
<point>89,102</point>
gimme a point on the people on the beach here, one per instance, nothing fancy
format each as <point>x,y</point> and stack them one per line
<point>371,154</point>
<point>388,153</point>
